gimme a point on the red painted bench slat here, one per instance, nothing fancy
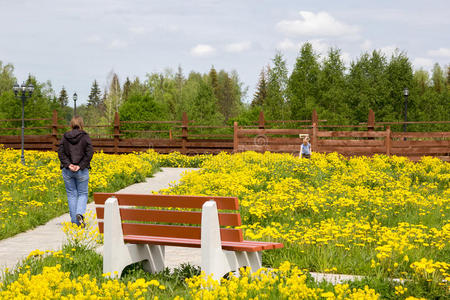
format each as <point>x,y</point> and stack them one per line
<point>175,231</point>
<point>249,246</point>
<point>171,216</point>
<point>230,203</point>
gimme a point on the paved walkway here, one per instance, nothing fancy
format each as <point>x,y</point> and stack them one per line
<point>51,237</point>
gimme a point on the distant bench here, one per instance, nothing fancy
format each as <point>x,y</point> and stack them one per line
<point>127,239</point>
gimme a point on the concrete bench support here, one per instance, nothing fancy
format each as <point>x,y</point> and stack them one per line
<point>215,261</point>
<point>117,255</point>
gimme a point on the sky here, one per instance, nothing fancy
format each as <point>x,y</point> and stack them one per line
<point>72,43</point>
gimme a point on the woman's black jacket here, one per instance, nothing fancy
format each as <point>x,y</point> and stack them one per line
<point>76,148</point>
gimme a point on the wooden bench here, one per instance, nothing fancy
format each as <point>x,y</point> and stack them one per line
<point>133,234</point>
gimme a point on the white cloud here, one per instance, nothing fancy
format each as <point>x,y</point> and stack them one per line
<point>93,39</point>
<point>366,45</point>
<point>137,30</point>
<point>441,52</point>
<point>117,44</point>
<point>238,47</point>
<point>203,50</point>
<point>172,28</point>
<point>320,46</point>
<point>287,44</point>
<point>422,62</point>
<point>319,24</point>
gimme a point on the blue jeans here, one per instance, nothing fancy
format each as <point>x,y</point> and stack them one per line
<point>77,191</point>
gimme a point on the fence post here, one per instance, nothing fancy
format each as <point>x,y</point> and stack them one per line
<point>371,121</point>
<point>116,132</point>
<point>314,118</point>
<point>170,133</point>
<point>314,121</point>
<point>261,121</point>
<point>387,140</point>
<point>184,133</point>
<point>55,130</point>
<point>235,137</point>
<point>314,145</point>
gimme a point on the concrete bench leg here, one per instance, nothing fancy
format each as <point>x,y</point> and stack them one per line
<point>239,259</point>
<point>214,261</point>
<point>218,262</point>
<point>116,254</point>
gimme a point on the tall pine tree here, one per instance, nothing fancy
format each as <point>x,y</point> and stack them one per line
<point>95,95</point>
<point>261,91</point>
<point>277,83</point>
<point>332,102</point>
<point>63,99</point>
<point>214,81</point>
<point>437,76</point>
<point>126,89</point>
<point>303,87</point>
<point>368,86</point>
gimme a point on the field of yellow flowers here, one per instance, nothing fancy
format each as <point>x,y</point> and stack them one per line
<point>34,193</point>
<point>381,217</point>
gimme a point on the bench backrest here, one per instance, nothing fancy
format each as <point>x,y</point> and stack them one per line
<point>147,221</point>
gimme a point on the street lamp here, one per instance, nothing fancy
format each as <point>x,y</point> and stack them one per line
<point>23,91</point>
<point>406,94</point>
<point>75,97</point>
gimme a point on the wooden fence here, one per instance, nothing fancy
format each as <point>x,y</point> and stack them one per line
<point>349,140</point>
<point>187,137</point>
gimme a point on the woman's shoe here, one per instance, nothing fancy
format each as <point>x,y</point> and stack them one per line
<point>80,220</point>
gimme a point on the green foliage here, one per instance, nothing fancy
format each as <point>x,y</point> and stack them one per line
<point>277,83</point>
<point>63,98</point>
<point>303,87</point>
<point>340,94</point>
<point>95,96</point>
<point>332,102</point>
<point>142,107</point>
<point>261,90</point>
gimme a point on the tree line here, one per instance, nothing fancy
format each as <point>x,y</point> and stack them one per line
<point>339,94</point>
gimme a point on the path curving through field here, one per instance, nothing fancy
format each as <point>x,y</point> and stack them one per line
<point>51,237</point>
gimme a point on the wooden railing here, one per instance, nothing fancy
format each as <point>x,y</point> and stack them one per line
<point>349,140</point>
<point>188,137</point>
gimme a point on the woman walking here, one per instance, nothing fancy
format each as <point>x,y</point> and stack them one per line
<point>75,153</point>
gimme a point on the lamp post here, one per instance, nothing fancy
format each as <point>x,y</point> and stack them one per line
<point>75,97</point>
<point>406,94</point>
<point>24,91</point>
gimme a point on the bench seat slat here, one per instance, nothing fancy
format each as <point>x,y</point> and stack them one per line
<point>183,201</point>
<point>249,246</point>
<point>175,231</point>
<point>171,216</point>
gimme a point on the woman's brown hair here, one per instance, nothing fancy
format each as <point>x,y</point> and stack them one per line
<point>77,123</point>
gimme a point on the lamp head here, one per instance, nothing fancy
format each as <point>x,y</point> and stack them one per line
<point>30,88</point>
<point>75,96</point>
<point>16,88</point>
<point>405,92</point>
